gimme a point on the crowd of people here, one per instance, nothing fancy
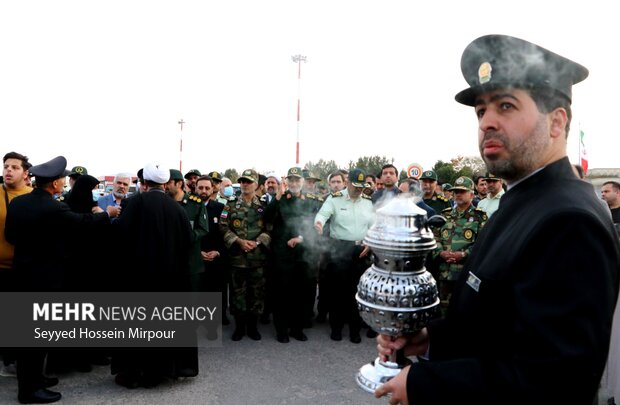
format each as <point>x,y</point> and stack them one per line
<point>522,318</point>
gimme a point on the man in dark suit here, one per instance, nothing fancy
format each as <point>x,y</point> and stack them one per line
<point>530,318</point>
<point>37,225</point>
<point>212,249</point>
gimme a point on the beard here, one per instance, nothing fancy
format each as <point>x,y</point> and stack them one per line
<point>525,155</point>
<point>294,189</point>
<point>118,195</point>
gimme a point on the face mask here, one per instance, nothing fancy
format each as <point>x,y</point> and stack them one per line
<point>228,191</point>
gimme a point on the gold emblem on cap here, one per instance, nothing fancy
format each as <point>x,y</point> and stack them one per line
<point>459,180</point>
<point>294,170</point>
<point>360,177</point>
<point>79,169</point>
<point>484,72</point>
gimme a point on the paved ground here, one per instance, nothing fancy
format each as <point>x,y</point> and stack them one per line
<point>319,371</point>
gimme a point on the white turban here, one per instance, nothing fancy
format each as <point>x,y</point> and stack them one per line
<point>156,172</point>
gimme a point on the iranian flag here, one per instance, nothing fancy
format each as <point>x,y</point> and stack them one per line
<point>583,156</point>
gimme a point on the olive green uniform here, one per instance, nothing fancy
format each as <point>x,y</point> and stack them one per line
<point>197,215</point>
<point>437,202</point>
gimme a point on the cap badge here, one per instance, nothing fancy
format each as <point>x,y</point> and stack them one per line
<point>459,180</point>
<point>360,177</point>
<point>484,72</point>
<point>79,169</point>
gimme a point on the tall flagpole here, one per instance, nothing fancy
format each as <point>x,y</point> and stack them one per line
<point>181,122</point>
<point>298,59</point>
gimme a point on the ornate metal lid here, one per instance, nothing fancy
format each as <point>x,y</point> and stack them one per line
<point>400,227</point>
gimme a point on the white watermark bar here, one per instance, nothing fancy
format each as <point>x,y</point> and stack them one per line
<point>107,319</point>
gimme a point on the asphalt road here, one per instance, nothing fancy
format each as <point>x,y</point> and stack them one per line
<point>319,371</point>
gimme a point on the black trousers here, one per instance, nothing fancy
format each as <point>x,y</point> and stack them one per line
<point>30,368</point>
<point>342,275</point>
<point>290,280</point>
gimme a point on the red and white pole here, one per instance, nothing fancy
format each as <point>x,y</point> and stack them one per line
<point>181,122</point>
<point>298,59</point>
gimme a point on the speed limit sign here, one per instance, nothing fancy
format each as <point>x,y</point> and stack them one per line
<point>414,170</point>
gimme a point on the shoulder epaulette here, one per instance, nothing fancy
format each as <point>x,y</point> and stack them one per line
<point>193,198</point>
<point>481,212</point>
<point>313,196</point>
<point>447,210</point>
<point>337,194</point>
<point>442,198</point>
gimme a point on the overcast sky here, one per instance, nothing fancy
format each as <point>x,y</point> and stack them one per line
<point>105,83</point>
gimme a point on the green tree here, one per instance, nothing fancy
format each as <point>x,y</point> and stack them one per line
<point>370,164</point>
<point>322,168</point>
<point>232,174</point>
<point>448,172</point>
<point>445,172</point>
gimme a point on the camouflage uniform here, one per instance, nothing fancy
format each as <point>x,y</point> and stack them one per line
<point>244,220</point>
<point>457,235</point>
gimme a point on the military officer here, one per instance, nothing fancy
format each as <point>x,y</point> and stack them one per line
<point>351,214</point>
<point>431,198</point>
<point>197,215</point>
<point>495,191</point>
<point>245,236</point>
<point>456,238</point>
<point>310,182</point>
<point>290,218</point>
<point>216,180</point>
<point>191,178</point>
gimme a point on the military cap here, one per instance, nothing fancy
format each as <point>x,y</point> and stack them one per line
<point>193,172</point>
<point>446,186</point>
<point>357,178</point>
<point>176,175</point>
<point>495,61</point>
<point>78,171</point>
<point>463,183</point>
<point>215,176</point>
<point>294,172</point>
<point>308,175</point>
<point>250,175</point>
<point>429,174</point>
<point>491,176</point>
<point>54,169</point>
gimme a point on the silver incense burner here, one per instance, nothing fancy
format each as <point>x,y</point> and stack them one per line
<point>396,295</point>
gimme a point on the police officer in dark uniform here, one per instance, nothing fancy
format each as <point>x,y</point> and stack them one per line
<point>35,225</point>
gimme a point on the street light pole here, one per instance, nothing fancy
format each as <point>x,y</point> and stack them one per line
<point>298,59</point>
<point>181,122</point>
